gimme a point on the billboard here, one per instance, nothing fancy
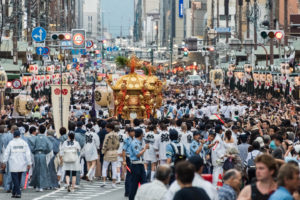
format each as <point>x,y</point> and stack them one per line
<point>180,8</point>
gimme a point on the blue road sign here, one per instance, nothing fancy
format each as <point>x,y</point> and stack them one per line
<point>99,61</point>
<point>39,34</point>
<point>83,51</point>
<point>74,60</point>
<point>46,51</point>
<point>109,49</point>
<point>223,29</point>
<point>115,48</point>
<point>75,51</point>
<point>40,50</point>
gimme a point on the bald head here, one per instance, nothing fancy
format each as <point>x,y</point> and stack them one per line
<point>233,178</point>
<point>163,173</point>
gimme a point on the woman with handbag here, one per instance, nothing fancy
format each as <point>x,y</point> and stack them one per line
<point>69,152</point>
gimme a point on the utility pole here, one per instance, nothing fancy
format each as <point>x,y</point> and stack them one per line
<point>2,22</point>
<point>218,18</point>
<point>15,33</point>
<point>226,6</point>
<point>240,20</point>
<point>271,28</point>
<point>29,23</point>
<point>285,22</point>
<point>38,11</point>
<point>248,18</point>
<point>69,15</point>
<point>212,13</point>
<point>6,18</point>
<point>193,18</point>
<point>255,24</point>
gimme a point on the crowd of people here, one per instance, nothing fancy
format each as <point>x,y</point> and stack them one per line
<point>204,143</point>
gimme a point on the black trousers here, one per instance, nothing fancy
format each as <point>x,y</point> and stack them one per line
<point>138,176</point>
<point>16,180</point>
<point>128,177</point>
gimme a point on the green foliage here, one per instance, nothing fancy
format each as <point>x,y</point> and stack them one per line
<point>121,61</point>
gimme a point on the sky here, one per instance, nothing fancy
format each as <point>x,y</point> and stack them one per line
<point>117,13</point>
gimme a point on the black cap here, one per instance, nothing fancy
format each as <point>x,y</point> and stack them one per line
<point>235,128</point>
<point>196,133</point>
<point>197,161</point>
<point>218,128</point>
<point>79,123</point>
<point>17,133</point>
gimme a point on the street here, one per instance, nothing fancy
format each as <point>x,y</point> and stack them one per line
<point>91,191</point>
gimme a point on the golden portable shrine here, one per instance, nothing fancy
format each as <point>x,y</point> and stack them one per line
<point>137,96</point>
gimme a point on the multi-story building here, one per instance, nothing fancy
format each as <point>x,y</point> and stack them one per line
<point>92,18</point>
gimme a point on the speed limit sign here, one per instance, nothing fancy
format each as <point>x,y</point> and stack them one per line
<point>78,38</point>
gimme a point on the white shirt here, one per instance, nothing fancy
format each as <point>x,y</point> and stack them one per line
<point>17,154</point>
<point>198,181</point>
<point>160,144</point>
<point>151,191</point>
<point>218,150</point>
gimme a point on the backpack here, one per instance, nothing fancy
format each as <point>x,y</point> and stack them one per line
<point>251,162</point>
<point>70,155</point>
<point>179,154</point>
<point>228,164</point>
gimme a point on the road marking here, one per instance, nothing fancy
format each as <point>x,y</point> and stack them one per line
<point>49,194</point>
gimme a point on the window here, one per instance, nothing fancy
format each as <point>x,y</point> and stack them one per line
<point>223,17</point>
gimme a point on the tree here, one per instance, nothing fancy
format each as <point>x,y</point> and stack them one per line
<point>121,61</point>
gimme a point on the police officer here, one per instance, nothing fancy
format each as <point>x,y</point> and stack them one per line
<point>18,156</point>
<point>137,162</point>
<point>126,158</point>
<point>175,150</point>
<point>196,145</point>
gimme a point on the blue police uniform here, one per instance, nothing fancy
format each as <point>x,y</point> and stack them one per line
<point>138,174</point>
<point>126,148</point>
<point>194,147</point>
<point>170,151</point>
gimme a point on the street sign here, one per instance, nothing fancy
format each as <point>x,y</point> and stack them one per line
<point>75,51</point>
<point>83,51</point>
<point>115,48</point>
<point>39,34</point>
<point>39,44</point>
<point>40,50</point>
<point>223,29</point>
<point>16,91</point>
<point>99,61</point>
<point>181,10</point>
<point>89,44</point>
<point>66,44</point>
<point>74,60</point>
<point>109,49</point>
<point>16,84</point>
<point>46,51</point>
<point>78,38</point>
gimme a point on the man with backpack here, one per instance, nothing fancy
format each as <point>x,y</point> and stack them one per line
<point>175,150</point>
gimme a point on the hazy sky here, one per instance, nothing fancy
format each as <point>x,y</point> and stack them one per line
<point>117,13</point>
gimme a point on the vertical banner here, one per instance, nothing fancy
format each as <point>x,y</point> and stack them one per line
<point>60,111</point>
<point>180,9</point>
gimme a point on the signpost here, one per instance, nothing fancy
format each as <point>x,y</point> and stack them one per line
<point>78,38</point>
<point>39,34</point>
<point>181,10</point>
<point>16,84</point>
<point>40,50</point>
<point>223,29</point>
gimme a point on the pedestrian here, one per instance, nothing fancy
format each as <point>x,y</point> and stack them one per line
<point>231,185</point>
<point>265,185</point>
<point>110,151</point>
<point>51,166</point>
<point>17,155</point>
<point>41,147</point>
<point>137,163</point>
<point>287,181</point>
<point>69,152</point>
<point>92,143</point>
<point>198,181</point>
<point>185,172</point>
<point>196,145</point>
<point>157,188</point>
<point>126,158</point>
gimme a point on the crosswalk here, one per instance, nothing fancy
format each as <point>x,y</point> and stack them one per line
<point>86,191</point>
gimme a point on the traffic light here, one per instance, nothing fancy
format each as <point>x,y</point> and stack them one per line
<point>278,34</point>
<point>61,36</point>
<point>208,49</point>
<point>185,53</point>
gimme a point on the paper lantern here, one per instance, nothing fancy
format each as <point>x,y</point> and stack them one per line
<point>29,80</point>
<point>38,78</point>
<point>24,80</point>
<point>48,77</point>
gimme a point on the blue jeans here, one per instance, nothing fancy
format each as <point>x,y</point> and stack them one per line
<point>138,176</point>
<point>7,184</point>
<point>16,179</point>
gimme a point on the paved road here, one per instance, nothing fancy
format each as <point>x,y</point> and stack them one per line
<point>87,191</point>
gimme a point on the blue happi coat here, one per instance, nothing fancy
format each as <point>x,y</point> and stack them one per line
<point>41,147</point>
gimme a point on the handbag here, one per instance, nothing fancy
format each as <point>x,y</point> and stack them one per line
<point>70,155</point>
